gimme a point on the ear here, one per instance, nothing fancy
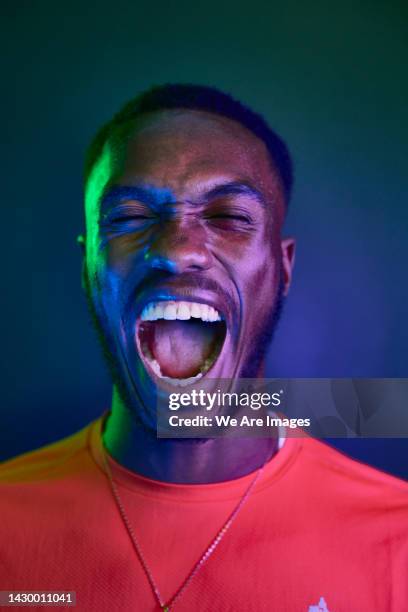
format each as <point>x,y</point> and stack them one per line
<point>81,240</point>
<point>288,247</point>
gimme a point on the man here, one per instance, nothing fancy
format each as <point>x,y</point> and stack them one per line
<point>185,271</point>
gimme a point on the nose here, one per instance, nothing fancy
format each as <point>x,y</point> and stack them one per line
<point>179,248</point>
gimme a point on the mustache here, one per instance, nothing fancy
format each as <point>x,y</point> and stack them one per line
<point>187,281</point>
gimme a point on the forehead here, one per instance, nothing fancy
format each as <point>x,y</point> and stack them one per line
<point>184,152</point>
<point>180,149</point>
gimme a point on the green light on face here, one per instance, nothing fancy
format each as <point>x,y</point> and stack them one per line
<point>106,167</point>
<point>97,181</point>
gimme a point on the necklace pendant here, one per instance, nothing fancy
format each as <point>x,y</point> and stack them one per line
<point>165,608</point>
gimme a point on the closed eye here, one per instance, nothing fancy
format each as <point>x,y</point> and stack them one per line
<point>127,215</point>
<point>126,218</point>
<point>230,219</point>
<point>229,216</point>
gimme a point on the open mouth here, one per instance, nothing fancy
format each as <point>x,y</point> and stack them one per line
<point>180,341</point>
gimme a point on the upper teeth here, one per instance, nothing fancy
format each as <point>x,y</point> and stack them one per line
<point>182,311</point>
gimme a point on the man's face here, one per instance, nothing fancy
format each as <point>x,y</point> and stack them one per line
<point>185,265</point>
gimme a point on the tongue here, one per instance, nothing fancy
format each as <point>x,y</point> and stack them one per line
<point>181,347</point>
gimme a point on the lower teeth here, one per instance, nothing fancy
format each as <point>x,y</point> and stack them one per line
<point>154,364</point>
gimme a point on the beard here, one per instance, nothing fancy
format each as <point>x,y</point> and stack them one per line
<point>128,397</point>
<point>256,358</point>
<point>128,393</point>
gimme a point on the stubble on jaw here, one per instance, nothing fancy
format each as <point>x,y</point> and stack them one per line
<point>132,403</point>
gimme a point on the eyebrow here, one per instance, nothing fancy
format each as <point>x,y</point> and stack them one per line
<point>234,188</point>
<point>154,196</point>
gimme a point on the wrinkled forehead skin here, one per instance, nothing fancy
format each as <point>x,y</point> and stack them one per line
<point>183,148</point>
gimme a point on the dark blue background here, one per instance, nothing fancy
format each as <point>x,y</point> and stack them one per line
<point>331,79</point>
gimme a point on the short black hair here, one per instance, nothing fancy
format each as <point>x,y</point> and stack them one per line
<point>201,98</point>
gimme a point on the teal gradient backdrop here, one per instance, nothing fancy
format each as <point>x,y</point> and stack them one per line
<point>330,78</point>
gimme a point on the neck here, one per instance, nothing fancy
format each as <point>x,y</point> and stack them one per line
<point>183,461</point>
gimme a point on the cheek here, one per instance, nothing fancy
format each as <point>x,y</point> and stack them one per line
<point>260,265</point>
<point>111,273</point>
<point>264,279</point>
<point>258,276</point>
<point>124,256</point>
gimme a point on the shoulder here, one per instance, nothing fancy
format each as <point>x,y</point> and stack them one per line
<point>47,461</point>
<point>46,496</point>
<point>353,482</point>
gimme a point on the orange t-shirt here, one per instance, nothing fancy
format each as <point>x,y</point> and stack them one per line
<point>319,532</point>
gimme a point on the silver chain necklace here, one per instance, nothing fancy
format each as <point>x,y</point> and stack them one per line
<point>166,606</point>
